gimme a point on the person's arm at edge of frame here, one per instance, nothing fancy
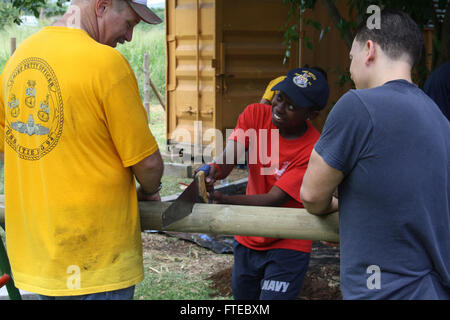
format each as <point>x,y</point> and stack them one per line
<point>148,173</point>
<point>319,183</point>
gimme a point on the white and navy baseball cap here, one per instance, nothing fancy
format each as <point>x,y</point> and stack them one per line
<point>147,15</point>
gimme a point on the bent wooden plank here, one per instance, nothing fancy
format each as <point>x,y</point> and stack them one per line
<point>219,219</point>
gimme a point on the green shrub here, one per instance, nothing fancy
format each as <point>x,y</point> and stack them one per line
<point>8,14</point>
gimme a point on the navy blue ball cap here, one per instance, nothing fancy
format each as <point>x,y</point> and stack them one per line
<point>305,87</point>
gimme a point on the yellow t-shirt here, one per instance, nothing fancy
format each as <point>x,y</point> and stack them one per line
<point>71,125</point>
<point>269,94</point>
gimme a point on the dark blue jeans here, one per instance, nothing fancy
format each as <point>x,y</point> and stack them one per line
<point>275,274</point>
<point>122,294</point>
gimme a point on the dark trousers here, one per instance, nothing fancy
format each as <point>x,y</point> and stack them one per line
<point>275,274</point>
<point>121,294</point>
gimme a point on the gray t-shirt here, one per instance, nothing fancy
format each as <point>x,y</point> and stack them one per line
<point>393,145</point>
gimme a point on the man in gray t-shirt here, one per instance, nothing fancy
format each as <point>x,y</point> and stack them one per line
<point>386,147</point>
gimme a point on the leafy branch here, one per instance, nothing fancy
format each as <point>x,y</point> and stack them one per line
<point>11,10</point>
<point>423,12</point>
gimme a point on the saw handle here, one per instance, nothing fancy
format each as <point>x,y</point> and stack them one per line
<point>200,176</point>
<point>203,194</point>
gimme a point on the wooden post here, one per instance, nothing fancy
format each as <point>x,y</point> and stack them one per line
<point>158,95</point>
<point>218,219</point>
<point>146,84</point>
<point>13,45</point>
<point>42,14</point>
<point>428,39</point>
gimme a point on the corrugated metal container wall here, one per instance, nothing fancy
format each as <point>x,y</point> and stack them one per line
<point>238,52</point>
<point>249,34</point>
<point>190,76</point>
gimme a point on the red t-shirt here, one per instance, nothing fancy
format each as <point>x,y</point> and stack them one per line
<point>287,174</point>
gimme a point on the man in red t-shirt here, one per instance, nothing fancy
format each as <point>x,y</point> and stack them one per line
<point>279,141</point>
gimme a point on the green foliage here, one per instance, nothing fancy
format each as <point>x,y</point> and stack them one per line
<point>346,27</point>
<point>54,9</point>
<point>11,10</point>
<point>423,12</point>
<point>32,6</point>
<point>344,77</point>
<point>291,27</point>
<point>8,14</point>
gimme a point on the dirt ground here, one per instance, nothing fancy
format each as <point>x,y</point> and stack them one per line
<point>170,253</point>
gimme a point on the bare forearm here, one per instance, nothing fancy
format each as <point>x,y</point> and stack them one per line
<point>149,172</point>
<point>322,207</point>
<point>319,184</point>
<point>225,170</point>
<point>260,200</point>
<point>150,181</point>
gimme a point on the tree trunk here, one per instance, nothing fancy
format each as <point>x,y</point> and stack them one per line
<point>337,18</point>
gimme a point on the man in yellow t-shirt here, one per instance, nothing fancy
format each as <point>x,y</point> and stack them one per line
<point>75,134</point>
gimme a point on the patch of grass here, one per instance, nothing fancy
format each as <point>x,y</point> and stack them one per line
<point>172,286</point>
<point>178,269</point>
<point>171,185</point>
<point>157,123</point>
